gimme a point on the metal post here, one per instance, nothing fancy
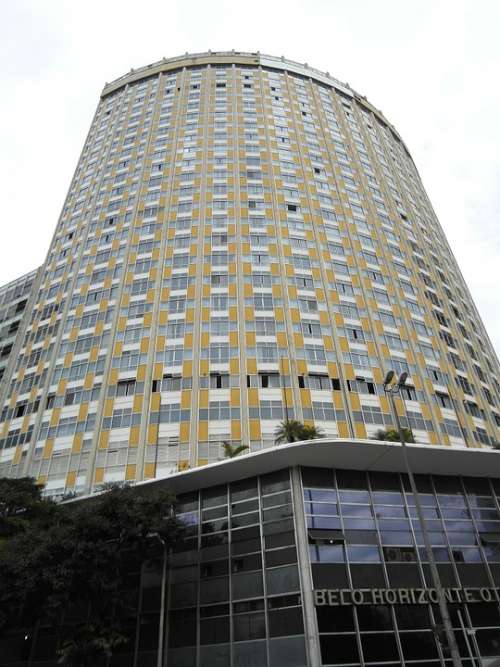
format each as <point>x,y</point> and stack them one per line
<point>472,633</point>
<point>284,388</point>
<point>311,633</point>
<point>161,630</point>
<point>443,607</point>
<point>467,632</point>
<point>157,436</point>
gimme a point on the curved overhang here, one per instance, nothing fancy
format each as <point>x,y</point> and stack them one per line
<point>349,454</point>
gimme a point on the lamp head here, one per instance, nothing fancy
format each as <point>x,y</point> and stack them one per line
<point>389,378</point>
<point>402,379</point>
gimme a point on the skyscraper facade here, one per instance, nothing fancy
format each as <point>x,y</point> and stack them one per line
<point>245,240</point>
<point>14,303</point>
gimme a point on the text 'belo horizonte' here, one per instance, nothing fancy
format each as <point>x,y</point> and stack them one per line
<point>356,596</point>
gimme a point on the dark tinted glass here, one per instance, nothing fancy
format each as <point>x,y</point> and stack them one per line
<point>418,645</point>
<point>412,617</point>
<point>216,495</point>
<point>183,628</point>
<point>351,479</point>
<point>374,617</point>
<point>335,619</point>
<point>337,649</point>
<point>214,656</point>
<point>214,630</point>
<point>379,647</point>
<point>275,481</point>
<point>243,489</point>
<point>282,580</point>
<point>284,622</point>
<point>281,557</point>
<point>249,626</point>
<point>330,576</point>
<point>317,477</point>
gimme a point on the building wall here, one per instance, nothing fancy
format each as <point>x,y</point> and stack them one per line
<point>244,239</point>
<point>240,586</point>
<point>14,301</point>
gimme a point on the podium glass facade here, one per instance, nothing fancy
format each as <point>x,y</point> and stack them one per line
<point>310,565</point>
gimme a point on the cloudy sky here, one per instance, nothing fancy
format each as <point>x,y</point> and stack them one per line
<point>432,67</point>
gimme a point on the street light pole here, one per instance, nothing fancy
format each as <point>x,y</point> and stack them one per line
<point>161,628</point>
<point>468,632</point>
<point>282,374</point>
<point>158,436</point>
<point>390,389</point>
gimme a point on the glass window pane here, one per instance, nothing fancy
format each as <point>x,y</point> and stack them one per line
<point>246,585</point>
<point>363,554</point>
<point>339,649</point>
<point>249,654</point>
<point>335,619</point>
<point>275,481</point>
<point>411,617</point>
<point>374,617</point>
<point>283,622</point>
<point>289,652</point>
<point>281,557</point>
<point>380,646</point>
<point>214,656</point>
<point>418,645</point>
<point>214,630</point>
<point>282,580</point>
<point>182,656</point>
<point>249,626</point>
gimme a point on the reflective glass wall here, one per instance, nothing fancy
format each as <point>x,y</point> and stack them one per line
<point>364,534</point>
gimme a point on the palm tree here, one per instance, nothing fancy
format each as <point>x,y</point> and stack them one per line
<point>311,432</point>
<point>392,435</point>
<point>290,430</point>
<point>230,451</point>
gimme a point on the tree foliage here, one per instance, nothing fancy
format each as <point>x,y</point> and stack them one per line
<point>81,552</point>
<point>392,435</point>
<point>292,430</point>
<point>230,451</point>
<point>311,432</point>
<point>21,502</point>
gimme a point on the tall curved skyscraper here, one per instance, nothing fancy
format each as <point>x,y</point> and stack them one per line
<point>245,240</point>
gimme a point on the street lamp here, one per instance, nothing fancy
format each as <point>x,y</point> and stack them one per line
<point>283,382</point>
<point>391,388</point>
<point>161,625</point>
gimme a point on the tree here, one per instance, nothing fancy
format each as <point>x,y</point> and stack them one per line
<point>230,451</point>
<point>85,554</point>
<point>289,430</point>
<point>21,502</point>
<point>392,435</point>
<point>90,645</point>
<point>292,430</point>
<point>311,432</point>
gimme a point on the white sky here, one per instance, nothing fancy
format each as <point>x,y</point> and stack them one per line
<point>432,67</point>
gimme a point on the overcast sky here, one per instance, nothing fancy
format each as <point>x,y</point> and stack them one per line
<point>431,67</point>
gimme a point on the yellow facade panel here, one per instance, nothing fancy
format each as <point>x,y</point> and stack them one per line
<point>134,436</point>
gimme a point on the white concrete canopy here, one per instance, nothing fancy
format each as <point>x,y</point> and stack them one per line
<point>339,453</point>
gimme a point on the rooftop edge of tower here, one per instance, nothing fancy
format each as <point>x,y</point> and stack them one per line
<point>244,58</point>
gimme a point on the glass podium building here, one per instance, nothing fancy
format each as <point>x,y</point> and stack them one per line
<point>244,239</point>
<point>311,554</point>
